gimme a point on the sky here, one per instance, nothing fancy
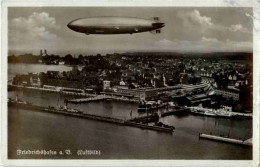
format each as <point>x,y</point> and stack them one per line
<point>207,29</point>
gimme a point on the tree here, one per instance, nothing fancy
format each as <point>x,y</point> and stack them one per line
<point>68,59</point>
<point>80,57</point>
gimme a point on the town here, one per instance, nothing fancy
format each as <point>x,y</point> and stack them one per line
<point>208,80</point>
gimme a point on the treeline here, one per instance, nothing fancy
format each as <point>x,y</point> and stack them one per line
<point>26,58</point>
<point>133,56</point>
<point>219,55</point>
<point>96,60</point>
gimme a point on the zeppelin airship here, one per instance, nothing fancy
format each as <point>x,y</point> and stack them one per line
<point>115,25</point>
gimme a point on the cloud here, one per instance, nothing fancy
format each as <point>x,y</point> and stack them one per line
<point>204,45</point>
<point>164,42</point>
<point>204,39</point>
<point>194,20</point>
<point>35,31</point>
<point>35,20</point>
<point>238,27</point>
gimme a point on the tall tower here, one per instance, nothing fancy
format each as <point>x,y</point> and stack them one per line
<point>45,52</point>
<point>41,53</point>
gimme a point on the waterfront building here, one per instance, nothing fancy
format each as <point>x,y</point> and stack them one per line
<point>207,79</point>
<point>106,84</point>
<point>226,108</point>
<point>140,93</point>
<point>197,99</point>
<point>35,81</point>
<point>228,93</point>
<point>148,94</point>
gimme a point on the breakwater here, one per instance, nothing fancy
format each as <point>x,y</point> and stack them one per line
<point>76,113</point>
<point>226,139</point>
<point>60,91</point>
<point>89,99</point>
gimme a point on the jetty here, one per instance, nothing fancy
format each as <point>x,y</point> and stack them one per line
<point>80,114</point>
<point>89,99</point>
<point>59,90</point>
<point>226,139</point>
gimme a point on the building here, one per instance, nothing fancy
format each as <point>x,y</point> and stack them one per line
<point>228,93</point>
<point>226,107</point>
<point>207,79</point>
<point>106,85</point>
<point>43,54</point>
<point>140,93</point>
<point>148,94</point>
<point>198,99</point>
<point>35,81</point>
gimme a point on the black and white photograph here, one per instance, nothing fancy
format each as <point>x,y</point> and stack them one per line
<point>129,83</point>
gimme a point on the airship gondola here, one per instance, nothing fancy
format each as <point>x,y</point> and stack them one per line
<point>115,25</point>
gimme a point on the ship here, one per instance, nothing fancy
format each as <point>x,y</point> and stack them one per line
<point>211,112</point>
<point>203,111</point>
<point>28,105</point>
<point>222,113</point>
<point>218,113</point>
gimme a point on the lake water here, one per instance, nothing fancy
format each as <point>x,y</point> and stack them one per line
<point>29,130</point>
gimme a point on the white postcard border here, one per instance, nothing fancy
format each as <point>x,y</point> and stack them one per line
<point>148,3</point>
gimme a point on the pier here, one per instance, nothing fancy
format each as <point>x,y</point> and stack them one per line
<point>153,117</point>
<point>89,99</point>
<point>226,139</point>
<point>81,114</point>
<point>60,91</point>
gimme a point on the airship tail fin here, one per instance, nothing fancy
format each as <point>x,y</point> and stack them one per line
<point>156,19</point>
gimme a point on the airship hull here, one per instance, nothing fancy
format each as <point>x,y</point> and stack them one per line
<point>113,25</point>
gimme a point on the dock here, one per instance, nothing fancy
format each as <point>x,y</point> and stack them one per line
<point>59,91</point>
<point>82,96</point>
<point>80,114</point>
<point>226,139</point>
<point>89,99</point>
